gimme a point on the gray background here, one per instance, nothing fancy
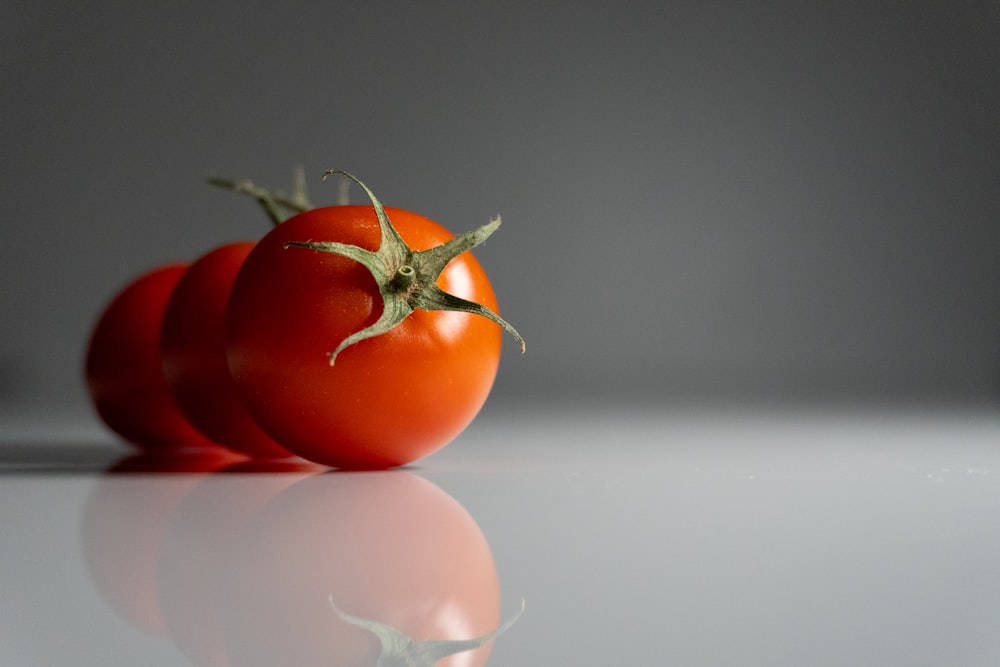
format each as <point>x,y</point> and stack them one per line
<point>701,199</point>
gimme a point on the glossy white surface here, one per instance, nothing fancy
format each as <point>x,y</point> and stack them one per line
<point>640,537</point>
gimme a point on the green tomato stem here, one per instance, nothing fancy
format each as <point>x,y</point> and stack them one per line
<point>277,205</point>
<point>407,278</point>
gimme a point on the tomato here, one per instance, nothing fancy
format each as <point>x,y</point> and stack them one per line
<point>123,370</point>
<point>383,400</point>
<point>194,355</point>
<point>339,551</point>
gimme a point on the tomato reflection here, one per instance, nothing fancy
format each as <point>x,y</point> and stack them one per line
<point>200,545</point>
<point>124,522</point>
<point>388,547</point>
<point>299,569</point>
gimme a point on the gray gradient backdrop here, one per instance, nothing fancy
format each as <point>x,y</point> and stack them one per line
<point>766,199</point>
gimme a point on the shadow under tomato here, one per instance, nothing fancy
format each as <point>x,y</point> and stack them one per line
<point>46,458</point>
<point>273,467</point>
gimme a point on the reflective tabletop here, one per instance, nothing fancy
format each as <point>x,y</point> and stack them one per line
<point>575,535</point>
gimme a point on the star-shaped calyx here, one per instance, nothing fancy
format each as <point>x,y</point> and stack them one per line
<point>407,278</point>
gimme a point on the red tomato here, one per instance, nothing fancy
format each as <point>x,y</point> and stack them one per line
<point>194,354</point>
<point>387,400</point>
<point>387,547</point>
<point>123,369</point>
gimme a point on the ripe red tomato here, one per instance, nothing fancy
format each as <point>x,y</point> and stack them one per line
<point>387,400</point>
<point>194,354</point>
<point>387,548</point>
<point>123,370</point>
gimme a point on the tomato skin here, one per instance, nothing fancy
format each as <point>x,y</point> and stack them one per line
<point>193,353</point>
<point>385,546</point>
<point>388,400</point>
<point>123,371</point>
